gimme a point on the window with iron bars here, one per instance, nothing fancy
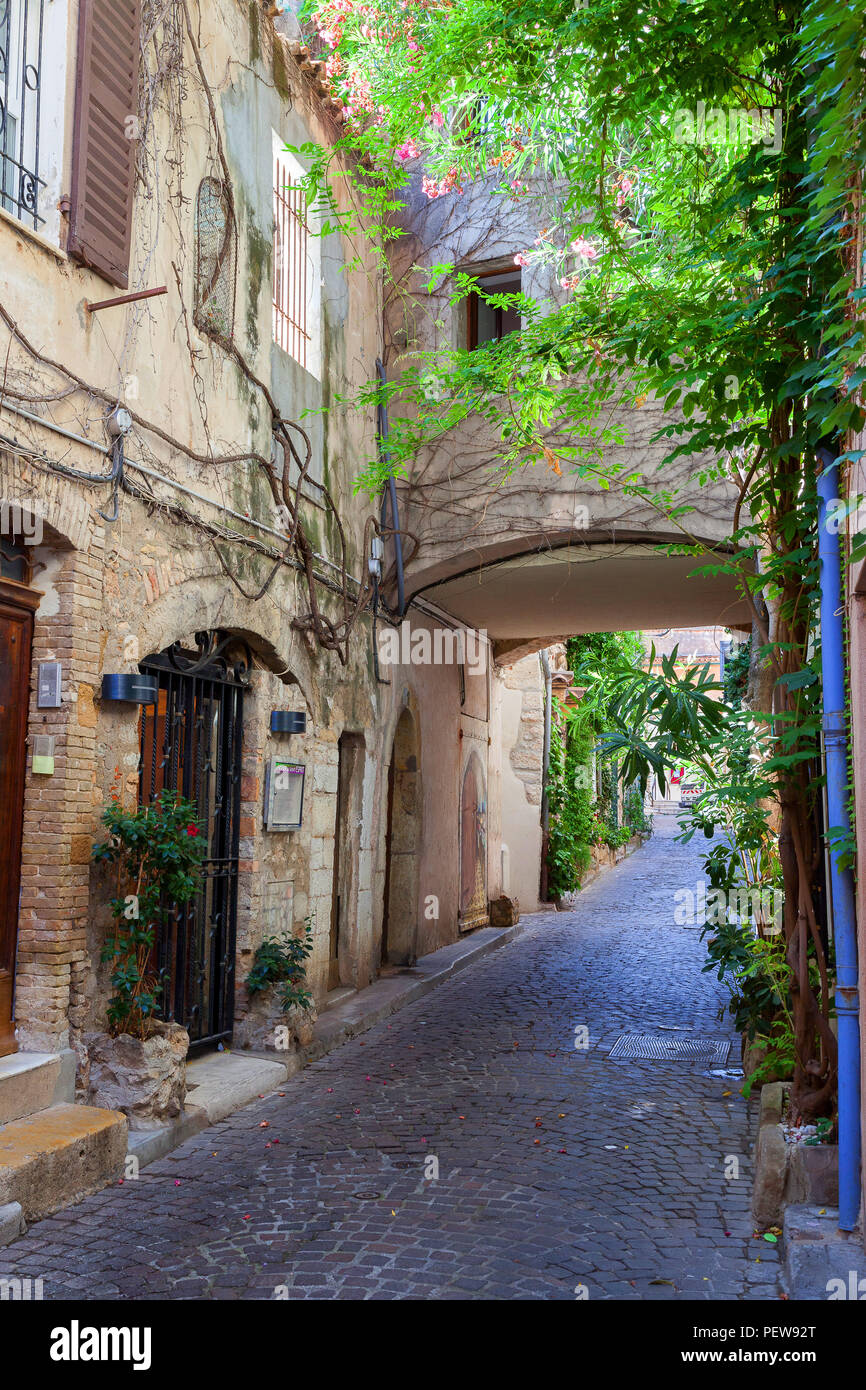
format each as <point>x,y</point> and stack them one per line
<point>21,41</point>
<point>296,282</point>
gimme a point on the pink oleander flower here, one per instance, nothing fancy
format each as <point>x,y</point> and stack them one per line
<point>408,150</point>
<point>520,259</point>
<point>438,119</point>
<point>582,247</point>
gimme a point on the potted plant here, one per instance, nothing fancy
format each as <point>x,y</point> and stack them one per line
<point>288,1012</point>
<point>139,1065</point>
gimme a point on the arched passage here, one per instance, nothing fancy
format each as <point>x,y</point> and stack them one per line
<point>402,841</point>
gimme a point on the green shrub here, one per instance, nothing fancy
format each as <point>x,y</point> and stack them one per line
<point>157,851</point>
<point>282,961</point>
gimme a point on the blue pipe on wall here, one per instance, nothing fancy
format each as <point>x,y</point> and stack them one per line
<point>392,495</point>
<point>841,880</point>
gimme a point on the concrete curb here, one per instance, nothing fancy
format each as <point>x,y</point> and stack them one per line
<point>768,1192</point>
<point>788,1174</point>
<point>227,1081</point>
<point>822,1262</point>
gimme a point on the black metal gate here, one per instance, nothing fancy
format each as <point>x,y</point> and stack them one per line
<point>191,743</point>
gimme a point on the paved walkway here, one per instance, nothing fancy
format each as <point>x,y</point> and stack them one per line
<point>557,1167</point>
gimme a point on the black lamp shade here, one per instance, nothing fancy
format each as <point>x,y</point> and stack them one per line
<point>287,721</point>
<point>135,689</point>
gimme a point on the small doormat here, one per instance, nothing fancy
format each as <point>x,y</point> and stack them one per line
<point>653,1049</point>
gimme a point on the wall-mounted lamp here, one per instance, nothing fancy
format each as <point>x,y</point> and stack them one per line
<point>135,689</point>
<point>377,555</point>
<point>288,721</point>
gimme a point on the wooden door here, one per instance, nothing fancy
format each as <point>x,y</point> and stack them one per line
<point>17,605</point>
<point>389,851</point>
<point>473,850</point>
<point>337,877</point>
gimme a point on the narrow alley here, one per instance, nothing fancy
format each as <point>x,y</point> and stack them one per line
<point>562,1174</point>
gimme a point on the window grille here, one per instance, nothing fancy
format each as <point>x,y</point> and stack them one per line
<point>21,24</point>
<point>291,264</point>
<point>215,261</point>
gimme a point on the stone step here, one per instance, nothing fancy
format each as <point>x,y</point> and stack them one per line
<point>221,1082</point>
<point>31,1081</point>
<point>58,1155</point>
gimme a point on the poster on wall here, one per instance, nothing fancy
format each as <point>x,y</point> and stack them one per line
<point>284,794</point>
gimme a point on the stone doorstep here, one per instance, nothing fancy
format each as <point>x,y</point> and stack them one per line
<point>58,1155</point>
<point>32,1081</point>
<point>817,1252</point>
<point>222,1082</point>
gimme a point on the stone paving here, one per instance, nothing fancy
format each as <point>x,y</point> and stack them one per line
<point>559,1170</point>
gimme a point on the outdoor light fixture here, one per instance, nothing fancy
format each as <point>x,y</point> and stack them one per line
<point>119,422</point>
<point>377,555</point>
<point>135,689</point>
<point>288,721</point>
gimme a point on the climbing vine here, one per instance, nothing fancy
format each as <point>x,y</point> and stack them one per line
<point>706,229</point>
<point>172,68</point>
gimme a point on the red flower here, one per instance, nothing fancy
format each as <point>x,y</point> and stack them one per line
<point>192,830</point>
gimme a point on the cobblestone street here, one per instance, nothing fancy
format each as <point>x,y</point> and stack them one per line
<point>558,1167</point>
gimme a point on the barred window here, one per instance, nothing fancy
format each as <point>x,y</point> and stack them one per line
<point>297,251</point>
<point>21,187</point>
<point>215,261</point>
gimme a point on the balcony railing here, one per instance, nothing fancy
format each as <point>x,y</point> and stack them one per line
<point>21,33</point>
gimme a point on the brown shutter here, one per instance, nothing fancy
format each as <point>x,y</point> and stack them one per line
<point>103,155</point>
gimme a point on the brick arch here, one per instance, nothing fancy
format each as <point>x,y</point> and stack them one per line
<point>181,610</point>
<point>68,513</point>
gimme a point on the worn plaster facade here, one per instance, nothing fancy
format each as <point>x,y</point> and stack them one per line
<point>543,554</point>
<point>399,847</point>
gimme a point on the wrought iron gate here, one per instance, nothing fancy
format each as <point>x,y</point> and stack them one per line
<point>191,743</point>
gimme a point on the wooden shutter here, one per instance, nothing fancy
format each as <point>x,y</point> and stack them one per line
<point>103,154</point>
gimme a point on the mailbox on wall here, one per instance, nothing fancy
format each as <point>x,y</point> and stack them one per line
<point>284,794</point>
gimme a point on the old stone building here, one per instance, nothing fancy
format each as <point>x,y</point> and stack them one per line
<point>194,595</point>
<point>185,562</point>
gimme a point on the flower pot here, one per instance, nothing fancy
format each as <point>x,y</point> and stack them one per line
<point>145,1078</point>
<point>262,1025</point>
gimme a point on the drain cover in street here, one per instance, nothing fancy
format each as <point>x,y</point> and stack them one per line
<point>645,1045</point>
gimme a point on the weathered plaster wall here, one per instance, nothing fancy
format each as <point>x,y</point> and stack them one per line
<point>522,700</point>
<point>115,592</point>
<point>466,515</point>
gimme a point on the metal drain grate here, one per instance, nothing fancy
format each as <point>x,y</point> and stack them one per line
<point>651,1048</point>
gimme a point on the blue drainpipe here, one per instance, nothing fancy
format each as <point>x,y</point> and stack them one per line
<point>382,413</point>
<point>841,880</point>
